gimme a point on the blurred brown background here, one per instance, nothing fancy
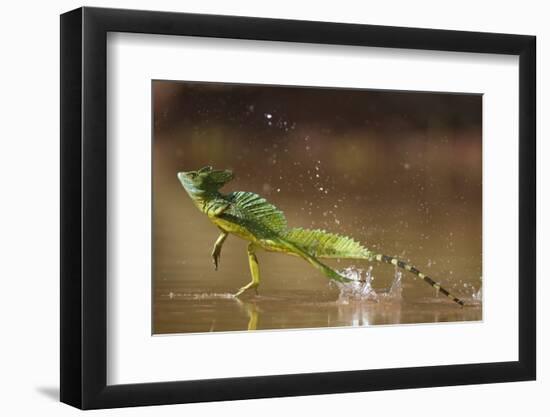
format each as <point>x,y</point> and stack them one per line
<point>399,171</point>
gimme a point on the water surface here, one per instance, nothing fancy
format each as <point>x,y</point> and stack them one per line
<point>400,172</point>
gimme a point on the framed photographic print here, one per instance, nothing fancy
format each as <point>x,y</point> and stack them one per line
<point>258,207</point>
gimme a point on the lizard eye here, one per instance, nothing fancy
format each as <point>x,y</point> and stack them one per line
<point>192,175</point>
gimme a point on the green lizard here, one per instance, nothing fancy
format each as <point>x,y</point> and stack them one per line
<point>252,218</point>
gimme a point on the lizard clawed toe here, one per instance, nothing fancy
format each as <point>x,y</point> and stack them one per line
<point>249,286</point>
<point>240,292</point>
<point>215,260</point>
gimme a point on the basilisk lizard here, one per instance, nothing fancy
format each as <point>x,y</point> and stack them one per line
<point>252,218</point>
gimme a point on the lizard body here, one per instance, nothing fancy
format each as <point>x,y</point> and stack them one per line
<point>250,217</point>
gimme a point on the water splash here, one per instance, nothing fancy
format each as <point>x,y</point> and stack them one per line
<point>478,296</point>
<point>361,289</point>
<point>476,292</point>
<point>396,289</point>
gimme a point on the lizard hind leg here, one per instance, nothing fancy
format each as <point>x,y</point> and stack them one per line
<point>254,271</point>
<point>312,260</point>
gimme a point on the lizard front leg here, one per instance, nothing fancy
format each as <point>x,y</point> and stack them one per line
<point>216,252</point>
<point>254,271</point>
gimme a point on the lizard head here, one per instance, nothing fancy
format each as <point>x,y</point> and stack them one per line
<point>204,180</point>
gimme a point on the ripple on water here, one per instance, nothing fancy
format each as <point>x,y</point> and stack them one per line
<point>198,296</point>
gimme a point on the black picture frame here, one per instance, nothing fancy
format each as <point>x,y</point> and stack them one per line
<point>84,207</point>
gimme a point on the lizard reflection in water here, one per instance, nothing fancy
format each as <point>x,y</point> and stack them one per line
<point>252,312</point>
<point>250,217</point>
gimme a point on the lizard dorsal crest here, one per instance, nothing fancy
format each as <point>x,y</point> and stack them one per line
<point>326,245</point>
<point>256,210</point>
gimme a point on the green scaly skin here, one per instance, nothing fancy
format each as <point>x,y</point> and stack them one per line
<point>252,218</point>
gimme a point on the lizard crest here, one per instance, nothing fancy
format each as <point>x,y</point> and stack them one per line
<point>205,180</point>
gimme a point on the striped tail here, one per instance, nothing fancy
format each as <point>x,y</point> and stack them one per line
<point>403,265</point>
<point>319,244</point>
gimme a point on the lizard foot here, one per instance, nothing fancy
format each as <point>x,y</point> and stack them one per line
<point>216,259</point>
<point>251,285</point>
